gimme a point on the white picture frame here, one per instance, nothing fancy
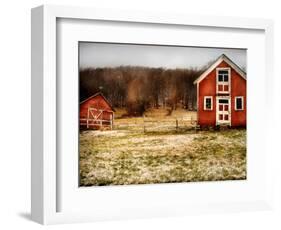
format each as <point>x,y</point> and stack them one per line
<point>46,165</point>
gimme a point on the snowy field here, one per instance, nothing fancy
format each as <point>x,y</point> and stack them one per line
<point>128,155</point>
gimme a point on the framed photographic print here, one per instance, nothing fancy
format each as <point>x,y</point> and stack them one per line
<point>138,115</point>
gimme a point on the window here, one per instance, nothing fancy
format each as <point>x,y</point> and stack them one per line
<point>223,80</point>
<point>223,75</point>
<point>223,101</point>
<point>239,103</point>
<point>208,103</point>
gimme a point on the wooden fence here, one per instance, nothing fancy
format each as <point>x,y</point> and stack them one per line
<point>157,124</point>
<point>176,124</point>
<point>96,120</point>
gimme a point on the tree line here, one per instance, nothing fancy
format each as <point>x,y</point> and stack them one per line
<point>138,88</point>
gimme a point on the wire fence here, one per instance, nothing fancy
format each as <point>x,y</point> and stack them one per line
<point>154,124</point>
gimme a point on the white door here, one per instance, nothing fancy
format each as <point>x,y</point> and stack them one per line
<point>223,111</point>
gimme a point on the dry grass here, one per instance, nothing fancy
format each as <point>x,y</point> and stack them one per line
<point>157,120</point>
<point>130,156</point>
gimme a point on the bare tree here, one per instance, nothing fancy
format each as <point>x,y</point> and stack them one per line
<point>137,88</point>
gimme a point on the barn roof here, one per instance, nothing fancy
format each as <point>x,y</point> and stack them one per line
<point>221,58</point>
<point>98,94</point>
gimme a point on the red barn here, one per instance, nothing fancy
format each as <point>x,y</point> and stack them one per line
<point>96,112</point>
<point>221,95</point>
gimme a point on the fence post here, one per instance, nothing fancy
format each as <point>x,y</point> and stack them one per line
<point>88,117</point>
<point>111,122</point>
<point>177,124</point>
<point>144,123</point>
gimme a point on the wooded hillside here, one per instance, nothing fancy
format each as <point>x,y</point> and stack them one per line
<point>139,88</point>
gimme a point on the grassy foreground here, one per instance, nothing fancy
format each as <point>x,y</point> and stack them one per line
<point>121,157</point>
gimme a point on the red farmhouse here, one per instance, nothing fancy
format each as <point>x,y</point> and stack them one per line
<point>221,95</point>
<point>96,112</point>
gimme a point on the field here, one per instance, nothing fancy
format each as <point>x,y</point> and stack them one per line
<point>160,148</point>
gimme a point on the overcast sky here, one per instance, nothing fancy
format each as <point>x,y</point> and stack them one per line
<point>112,55</point>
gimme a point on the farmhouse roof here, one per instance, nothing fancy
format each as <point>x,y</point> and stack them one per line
<point>221,58</point>
<point>98,94</point>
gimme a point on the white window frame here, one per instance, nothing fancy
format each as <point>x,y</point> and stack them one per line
<point>219,122</point>
<point>205,107</point>
<point>223,83</point>
<point>242,98</point>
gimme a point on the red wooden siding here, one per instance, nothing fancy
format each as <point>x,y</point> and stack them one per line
<point>207,87</point>
<point>99,103</point>
<point>238,88</point>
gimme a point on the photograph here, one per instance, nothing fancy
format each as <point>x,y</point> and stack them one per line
<point>152,114</point>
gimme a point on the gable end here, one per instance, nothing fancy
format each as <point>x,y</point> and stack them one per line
<point>96,95</point>
<point>216,63</point>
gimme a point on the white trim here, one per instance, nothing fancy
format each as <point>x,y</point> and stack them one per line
<point>208,97</point>
<point>217,110</point>
<point>228,83</point>
<point>216,63</point>
<point>197,102</point>
<point>242,97</point>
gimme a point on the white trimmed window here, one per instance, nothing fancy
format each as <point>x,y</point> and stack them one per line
<point>208,103</point>
<point>223,80</point>
<point>239,103</point>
